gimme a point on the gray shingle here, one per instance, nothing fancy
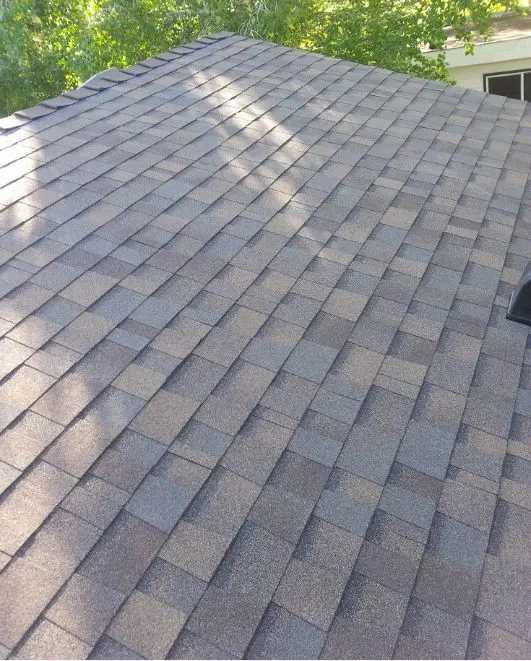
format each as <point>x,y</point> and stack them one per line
<point>26,591</point>
<point>254,564</point>
<point>111,561</point>
<point>172,586</point>
<point>283,635</point>
<point>84,608</point>
<point>289,395</point>
<point>256,450</point>
<point>130,449</point>
<point>164,416</point>
<point>411,496</point>
<point>159,502</point>
<point>108,648</point>
<point>195,549</point>
<point>312,593</point>
<point>146,626</point>
<point>348,501</point>
<point>49,640</point>
<point>489,641</point>
<point>314,446</point>
<point>328,546</point>
<point>368,621</point>
<point>192,646</point>
<point>224,502</point>
<point>430,631</point>
<point>61,543</point>
<point>282,513</point>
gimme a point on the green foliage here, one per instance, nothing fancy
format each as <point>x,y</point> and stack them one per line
<point>48,46</point>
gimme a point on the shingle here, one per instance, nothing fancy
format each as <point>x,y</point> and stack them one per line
<point>108,648</point>
<point>159,502</point>
<point>85,332</point>
<point>426,448</point>
<point>23,387</point>
<point>164,416</point>
<point>368,621</point>
<point>328,546</point>
<point>92,507</point>
<point>133,450</point>
<point>286,636</point>
<point>440,408</point>
<point>312,593</point>
<point>62,542</point>
<point>456,543</point>
<point>385,412</point>
<point>201,443</point>
<point>181,339</point>
<point>412,349</point>
<point>282,513</point>
<point>256,450</point>
<point>111,561</point>
<point>429,631</point>
<point>310,361</point>
<point>315,446</point>
<point>84,608</point>
<point>226,414</point>
<point>223,503</point>
<point>479,453</point>
<point>191,646</point>
<point>411,496</point>
<point>172,586</point>
<point>88,288</point>
<point>348,501</point>
<point>393,569</point>
<point>56,276</point>
<point>447,587</point>
<point>490,642</point>
<point>221,346</point>
<point>289,395</point>
<point>139,381</point>
<point>335,406</point>
<point>26,590</point>
<point>300,476</point>
<point>34,331</point>
<point>27,505</point>
<point>244,382</point>
<point>195,549</point>
<point>254,564</point>
<point>467,504</point>
<point>26,439</point>
<point>227,620</point>
<point>488,412</point>
<point>83,442</point>
<point>296,309</point>
<point>354,371</point>
<point>146,625</point>
<point>50,641</point>
<point>368,453</point>
<point>345,304</point>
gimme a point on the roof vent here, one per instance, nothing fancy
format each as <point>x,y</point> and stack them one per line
<point>520,304</point>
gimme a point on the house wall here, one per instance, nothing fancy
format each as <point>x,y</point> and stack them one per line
<point>472,76</point>
<point>493,57</point>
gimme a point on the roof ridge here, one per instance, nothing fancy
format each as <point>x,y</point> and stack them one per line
<point>105,79</point>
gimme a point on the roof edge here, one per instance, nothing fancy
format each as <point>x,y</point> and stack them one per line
<point>105,79</point>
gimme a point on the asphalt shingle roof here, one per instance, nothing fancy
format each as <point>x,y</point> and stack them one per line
<point>259,397</point>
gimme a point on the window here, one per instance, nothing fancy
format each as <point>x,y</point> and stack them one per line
<point>514,84</point>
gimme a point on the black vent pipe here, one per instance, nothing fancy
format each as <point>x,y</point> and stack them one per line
<point>519,309</point>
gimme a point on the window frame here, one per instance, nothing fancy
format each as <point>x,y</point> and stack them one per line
<point>514,72</point>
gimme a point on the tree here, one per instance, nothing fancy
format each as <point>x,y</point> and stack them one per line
<point>48,46</point>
